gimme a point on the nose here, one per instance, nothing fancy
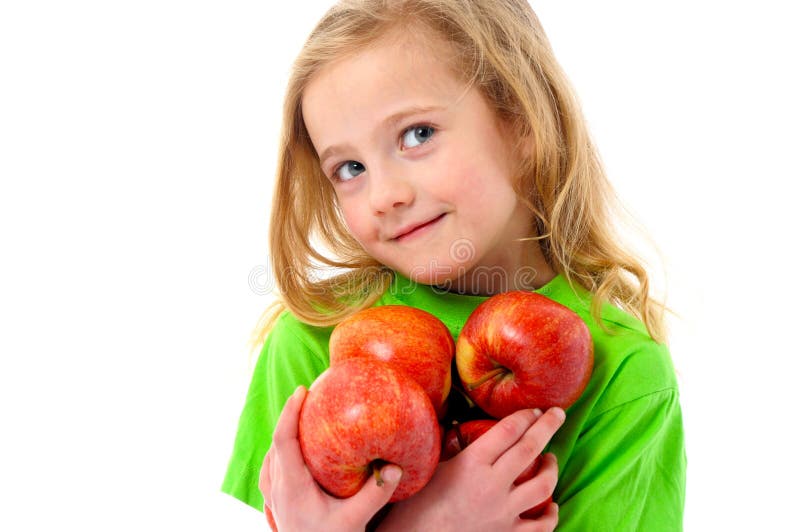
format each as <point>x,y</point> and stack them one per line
<point>389,189</point>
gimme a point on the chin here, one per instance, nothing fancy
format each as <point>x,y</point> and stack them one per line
<point>445,277</point>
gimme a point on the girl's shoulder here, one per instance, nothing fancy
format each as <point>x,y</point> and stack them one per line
<point>615,326</point>
<point>289,333</point>
<point>628,363</point>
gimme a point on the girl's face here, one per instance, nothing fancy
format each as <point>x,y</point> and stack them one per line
<point>421,167</point>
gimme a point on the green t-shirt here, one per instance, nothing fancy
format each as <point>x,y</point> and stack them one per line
<point>620,451</point>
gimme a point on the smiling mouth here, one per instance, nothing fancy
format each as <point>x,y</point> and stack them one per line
<point>418,228</point>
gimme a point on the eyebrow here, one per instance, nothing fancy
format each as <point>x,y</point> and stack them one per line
<point>391,120</point>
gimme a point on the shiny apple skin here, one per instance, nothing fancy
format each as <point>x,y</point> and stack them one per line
<point>406,338</point>
<point>361,413</point>
<point>545,348</point>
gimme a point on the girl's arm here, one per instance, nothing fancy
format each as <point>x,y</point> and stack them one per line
<point>292,495</point>
<point>293,355</point>
<point>475,490</point>
<point>627,469</point>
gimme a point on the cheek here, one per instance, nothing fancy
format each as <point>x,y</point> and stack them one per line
<point>478,184</point>
<point>357,222</point>
<point>457,174</point>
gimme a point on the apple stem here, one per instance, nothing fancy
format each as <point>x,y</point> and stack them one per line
<point>460,437</point>
<point>467,398</point>
<point>488,376</point>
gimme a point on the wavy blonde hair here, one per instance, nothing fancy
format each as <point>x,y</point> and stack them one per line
<point>501,49</point>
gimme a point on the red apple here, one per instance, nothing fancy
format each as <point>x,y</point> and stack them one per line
<point>406,338</point>
<point>462,434</point>
<point>361,414</point>
<point>523,350</point>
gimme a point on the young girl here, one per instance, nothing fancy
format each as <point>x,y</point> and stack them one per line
<point>435,149</point>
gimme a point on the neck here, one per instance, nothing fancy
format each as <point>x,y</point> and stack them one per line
<point>522,269</point>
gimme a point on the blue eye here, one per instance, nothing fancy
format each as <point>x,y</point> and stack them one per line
<point>416,135</point>
<point>348,170</point>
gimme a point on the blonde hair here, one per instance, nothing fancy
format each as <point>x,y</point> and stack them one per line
<point>502,50</point>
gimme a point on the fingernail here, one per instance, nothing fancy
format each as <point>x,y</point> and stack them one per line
<point>537,412</point>
<point>392,474</point>
<point>560,414</point>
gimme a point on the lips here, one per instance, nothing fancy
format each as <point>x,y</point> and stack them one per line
<point>413,228</point>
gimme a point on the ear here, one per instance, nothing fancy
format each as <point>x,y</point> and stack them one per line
<point>526,146</point>
<point>522,143</point>
<point>527,141</point>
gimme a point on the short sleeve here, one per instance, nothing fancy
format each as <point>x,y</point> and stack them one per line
<point>287,360</point>
<point>627,469</point>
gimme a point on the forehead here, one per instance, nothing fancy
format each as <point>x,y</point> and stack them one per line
<point>405,68</point>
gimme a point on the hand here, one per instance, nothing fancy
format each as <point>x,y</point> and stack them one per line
<point>292,496</point>
<point>475,489</point>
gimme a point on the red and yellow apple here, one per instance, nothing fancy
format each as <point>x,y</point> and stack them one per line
<point>361,414</point>
<point>406,338</point>
<point>461,435</point>
<point>523,350</point>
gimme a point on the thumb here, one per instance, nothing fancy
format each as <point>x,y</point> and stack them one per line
<point>376,493</point>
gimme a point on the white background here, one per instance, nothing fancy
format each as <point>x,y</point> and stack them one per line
<point>137,148</point>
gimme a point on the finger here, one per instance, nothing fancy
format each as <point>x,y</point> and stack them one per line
<point>284,439</point>
<point>374,495</point>
<point>536,490</point>
<point>274,470</point>
<point>497,440</point>
<point>544,523</point>
<point>286,427</point>
<point>265,478</point>
<point>265,486</point>
<point>530,445</point>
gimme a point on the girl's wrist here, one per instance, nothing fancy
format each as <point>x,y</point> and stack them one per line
<point>406,515</point>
